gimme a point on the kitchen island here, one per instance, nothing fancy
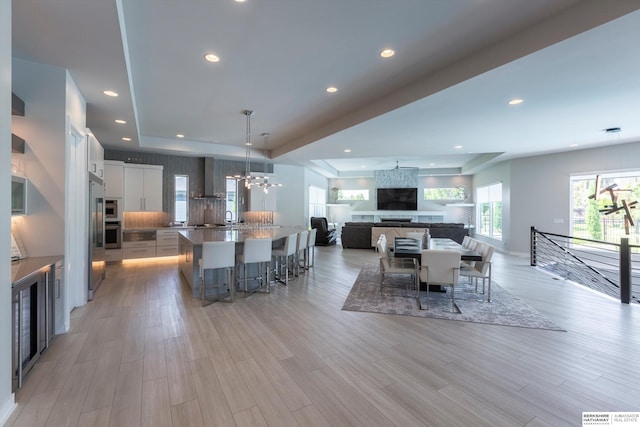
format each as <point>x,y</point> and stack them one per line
<point>190,246</point>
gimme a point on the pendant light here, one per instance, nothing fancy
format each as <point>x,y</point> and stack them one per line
<point>265,184</point>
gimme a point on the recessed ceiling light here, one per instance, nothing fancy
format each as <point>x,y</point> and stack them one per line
<point>574,145</point>
<point>516,101</point>
<point>387,53</point>
<point>363,167</point>
<point>347,150</point>
<point>457,147</point>
<point>240,1</point>
<point>332,89</point>
<point>432,164</point>
<point>180,135</point>
<point>126,138</point>
<point>110,93</point>
<point>211,57</point>
<point>120,121</point>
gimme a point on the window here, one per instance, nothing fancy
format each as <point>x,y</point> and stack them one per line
<point>231,200</point>
<point>317,202</point>
<point>181,199</point>
<point>587,217</point>
<point>454,193</point>
<point>489,204</point>
<point>353,194</point>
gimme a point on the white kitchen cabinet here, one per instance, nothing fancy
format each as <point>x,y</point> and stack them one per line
<point>142,188</point>
<point>95,160</point>
<point>261,201</point>
<point>113,179</point>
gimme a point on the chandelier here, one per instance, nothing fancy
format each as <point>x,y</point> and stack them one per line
<point>247,178</point>
<point>264,181</point>
<point>254,180</point>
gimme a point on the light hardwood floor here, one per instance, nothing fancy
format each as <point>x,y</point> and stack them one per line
<point>144,353</point>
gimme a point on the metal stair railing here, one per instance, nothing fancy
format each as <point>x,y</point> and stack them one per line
<point>608,268</point>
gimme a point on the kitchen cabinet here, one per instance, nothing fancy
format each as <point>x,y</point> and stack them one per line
<point>58,298</point>
<point>166,242</point>
<point>95,161</point>
<point>261,201</point>
<point>142,188</point>
<point>113,179</point>
<point>189,269</point>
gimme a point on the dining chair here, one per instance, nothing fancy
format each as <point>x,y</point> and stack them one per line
<point>257,251</point>
<point>395,266</point>
<point>217,255</point>
<point>439,267</point>
<point>481,270</point>
<point>419,236</point>
<point>285,255</point>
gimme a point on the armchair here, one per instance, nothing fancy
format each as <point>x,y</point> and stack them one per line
<point>324,236</point>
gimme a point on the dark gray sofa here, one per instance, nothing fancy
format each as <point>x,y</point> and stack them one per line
<point>357,235</point>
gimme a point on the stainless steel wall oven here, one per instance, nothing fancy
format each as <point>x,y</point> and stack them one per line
<point>111,209</point>
<point>113,235</point>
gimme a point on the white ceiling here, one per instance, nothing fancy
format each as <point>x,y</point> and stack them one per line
<point>574,62</point>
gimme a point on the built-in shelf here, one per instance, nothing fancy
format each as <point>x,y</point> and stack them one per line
<point>17,105</point>
<point>415,216</point>
<point>17,144</point>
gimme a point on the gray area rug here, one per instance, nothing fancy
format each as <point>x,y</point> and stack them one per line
<point>504,308</point>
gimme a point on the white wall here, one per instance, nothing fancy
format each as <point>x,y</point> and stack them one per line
<point>450,214</point>
<point>293,197</point>
<point>6,396</point>
<point>536,189</point>
<point>42,88</point>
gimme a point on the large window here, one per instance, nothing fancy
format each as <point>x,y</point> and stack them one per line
<point>181,198</point>
<point>447,193</point>
<point>317,202</point>
<point>353,194</point>
<point>588,215</point>
<point>489,202</point>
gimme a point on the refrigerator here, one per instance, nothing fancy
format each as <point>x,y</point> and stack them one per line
<point>96,234</point>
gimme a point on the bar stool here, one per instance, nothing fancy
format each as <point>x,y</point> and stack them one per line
<point>301,246</point>
<point>256,251</point>
<point>285,254</point>
<point>217,255</point>
<point>311,249</point>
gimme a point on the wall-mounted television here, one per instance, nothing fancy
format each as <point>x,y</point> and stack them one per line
<point>397,199</point>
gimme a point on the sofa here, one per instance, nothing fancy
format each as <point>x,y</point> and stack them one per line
<point>360,235</point>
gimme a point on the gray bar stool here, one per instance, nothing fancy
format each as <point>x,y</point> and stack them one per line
<point>310,255</point>
<point>217,255</point>
<point>284,255</point>
<point>301,247</point>
<point>257,251</point>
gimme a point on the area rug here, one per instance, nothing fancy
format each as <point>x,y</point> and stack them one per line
<point>504,309</point>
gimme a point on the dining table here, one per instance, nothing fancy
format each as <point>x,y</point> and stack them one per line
<point>406,247</point>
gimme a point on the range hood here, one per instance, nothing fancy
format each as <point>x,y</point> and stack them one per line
<point>209,181</point>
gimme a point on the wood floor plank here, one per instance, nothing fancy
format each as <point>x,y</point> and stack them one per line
<point>181,388</point>
<point>271,406</point>
<point>250,418</point>
<point>212,401</point>
<point>67,408</point>
<point>127,403</point>
<point>156,405</point>
<point>187,414</point>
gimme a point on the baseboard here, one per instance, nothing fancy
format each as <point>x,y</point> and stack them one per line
<point>7,408</point>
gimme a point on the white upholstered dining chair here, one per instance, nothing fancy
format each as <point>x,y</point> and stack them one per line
<point>395,266</point>
<point>440,267</point>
